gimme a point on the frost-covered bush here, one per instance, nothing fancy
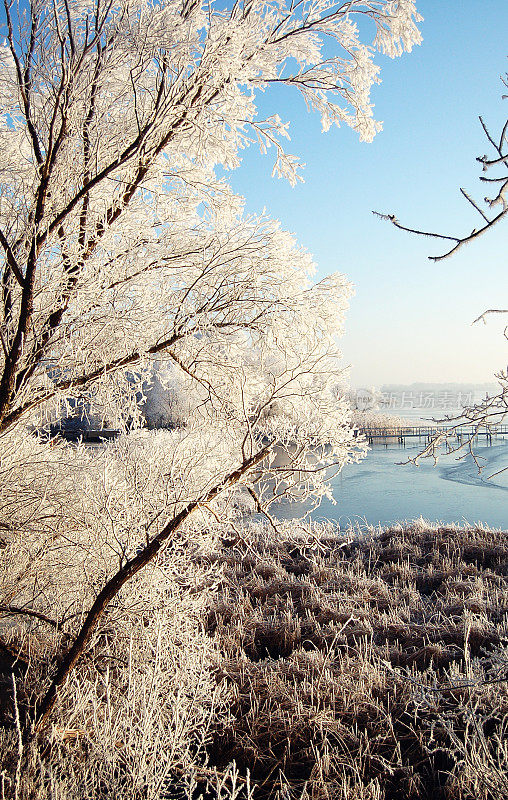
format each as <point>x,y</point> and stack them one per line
<point>369,420</point>
<point>164,404</point>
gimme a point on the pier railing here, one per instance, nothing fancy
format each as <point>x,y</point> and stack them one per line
<point>428,432</point>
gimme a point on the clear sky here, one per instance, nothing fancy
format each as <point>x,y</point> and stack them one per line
<point>410,319</point>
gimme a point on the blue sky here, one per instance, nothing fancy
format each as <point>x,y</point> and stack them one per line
<point>410,319</point>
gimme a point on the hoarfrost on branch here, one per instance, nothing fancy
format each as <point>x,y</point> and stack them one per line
<point>122,244</point>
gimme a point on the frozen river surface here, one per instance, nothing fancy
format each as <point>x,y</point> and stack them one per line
<point>378,491</point>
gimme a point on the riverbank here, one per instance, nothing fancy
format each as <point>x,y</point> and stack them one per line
<point>297,665</point>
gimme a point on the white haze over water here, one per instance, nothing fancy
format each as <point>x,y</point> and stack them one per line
<point>431,401</point>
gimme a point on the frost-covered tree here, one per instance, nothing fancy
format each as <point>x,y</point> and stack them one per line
<point>122,244</point>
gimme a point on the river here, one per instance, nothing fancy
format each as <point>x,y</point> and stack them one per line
<point>379,491</point>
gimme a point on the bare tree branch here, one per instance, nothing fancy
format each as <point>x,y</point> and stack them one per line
<point>493,410</point>
<point>490,221</point>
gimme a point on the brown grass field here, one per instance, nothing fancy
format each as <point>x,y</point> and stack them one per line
<point>296,665</point>
<point>369,669</point>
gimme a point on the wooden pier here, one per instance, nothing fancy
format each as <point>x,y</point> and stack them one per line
<point>426,433</point>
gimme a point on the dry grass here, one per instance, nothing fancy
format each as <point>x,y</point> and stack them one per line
<point>341,658</point>
<point>290,666</point>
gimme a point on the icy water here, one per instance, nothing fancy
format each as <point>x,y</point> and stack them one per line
<point>379,492</point>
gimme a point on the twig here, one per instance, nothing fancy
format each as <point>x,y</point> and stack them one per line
<point>29,612</point>
<point>20,737</point>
